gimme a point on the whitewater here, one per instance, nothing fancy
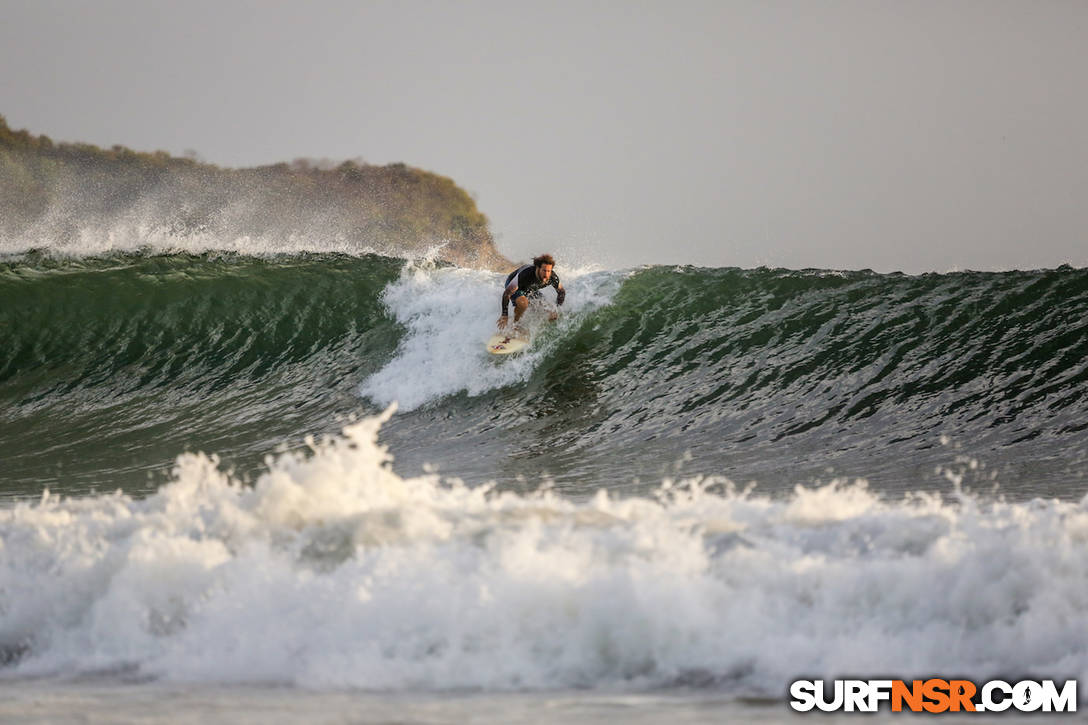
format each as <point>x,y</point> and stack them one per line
<point>292,482</point>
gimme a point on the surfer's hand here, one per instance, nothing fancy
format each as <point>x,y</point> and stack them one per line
<point>502,322</point>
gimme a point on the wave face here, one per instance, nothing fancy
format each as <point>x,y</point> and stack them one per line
<point>112,365</point>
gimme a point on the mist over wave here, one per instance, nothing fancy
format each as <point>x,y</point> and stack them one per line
<point>78,199</point>
<point>332,571</point>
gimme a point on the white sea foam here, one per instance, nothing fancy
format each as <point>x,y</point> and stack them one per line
<point>332,571</point>
<point>449,314</point>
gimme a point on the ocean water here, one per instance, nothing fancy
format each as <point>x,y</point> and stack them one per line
<point>283,485</point>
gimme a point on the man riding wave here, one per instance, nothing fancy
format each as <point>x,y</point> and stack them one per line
<point>526,282</point>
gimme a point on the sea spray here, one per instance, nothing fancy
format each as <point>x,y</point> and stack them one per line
<point>449,313</point>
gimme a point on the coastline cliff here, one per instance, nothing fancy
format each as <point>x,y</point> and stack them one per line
<point>59,191</point>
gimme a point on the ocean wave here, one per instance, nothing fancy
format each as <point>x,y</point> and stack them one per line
<point>113,364</point>
<point>332,571</point>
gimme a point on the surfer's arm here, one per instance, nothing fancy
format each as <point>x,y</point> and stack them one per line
<point>507,291</point>
<point>560,295</point>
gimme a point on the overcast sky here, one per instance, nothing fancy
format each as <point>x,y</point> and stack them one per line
<point>903,135</point>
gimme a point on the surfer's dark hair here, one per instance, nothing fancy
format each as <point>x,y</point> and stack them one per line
<point>543,259</point>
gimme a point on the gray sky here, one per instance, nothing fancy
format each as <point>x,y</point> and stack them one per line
<point>904,135</point>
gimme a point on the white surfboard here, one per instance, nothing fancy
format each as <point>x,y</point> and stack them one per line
<point>507,343</point>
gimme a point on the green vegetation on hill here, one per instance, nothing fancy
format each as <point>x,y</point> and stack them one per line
<point>58,191</point>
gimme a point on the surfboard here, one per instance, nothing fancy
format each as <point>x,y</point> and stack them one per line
<point>507,343</point>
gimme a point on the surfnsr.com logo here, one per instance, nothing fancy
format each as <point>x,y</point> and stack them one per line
<point>933,695</point>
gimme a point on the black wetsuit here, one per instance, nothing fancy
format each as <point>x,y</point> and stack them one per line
<point>530,286</point>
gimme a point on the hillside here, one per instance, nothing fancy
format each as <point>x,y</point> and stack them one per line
<point>61,192</point>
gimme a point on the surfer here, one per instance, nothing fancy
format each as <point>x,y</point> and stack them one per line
<point>526,282</point>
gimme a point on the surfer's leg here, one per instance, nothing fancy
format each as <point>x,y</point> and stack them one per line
<point>520,305</point>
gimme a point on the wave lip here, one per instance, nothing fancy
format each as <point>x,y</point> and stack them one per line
<point>334,572</point>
